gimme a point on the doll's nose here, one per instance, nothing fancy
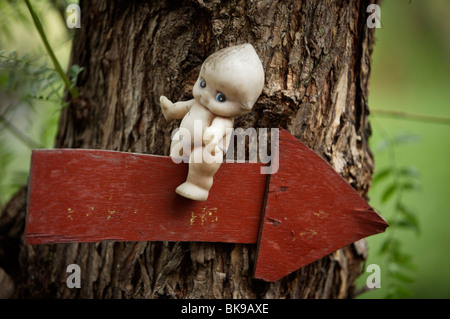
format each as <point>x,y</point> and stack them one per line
<point>206,97</point>
<point>203,100</point>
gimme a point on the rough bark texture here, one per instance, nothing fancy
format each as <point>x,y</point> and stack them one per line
<point>316,56</point>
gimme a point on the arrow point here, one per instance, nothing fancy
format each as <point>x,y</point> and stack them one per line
<point>311,211</point>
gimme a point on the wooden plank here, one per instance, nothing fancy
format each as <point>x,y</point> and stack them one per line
<point>311,211</point>
<point>94,195</point>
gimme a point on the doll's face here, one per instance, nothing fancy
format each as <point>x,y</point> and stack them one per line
<point>230,81</point>
<point>218,96</point>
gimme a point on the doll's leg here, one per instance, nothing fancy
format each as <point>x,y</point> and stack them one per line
<point>180,150</point>
<point>200,175</point>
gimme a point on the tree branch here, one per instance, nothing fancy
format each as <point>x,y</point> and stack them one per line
<point>73,91</point>
<point>411,116</point>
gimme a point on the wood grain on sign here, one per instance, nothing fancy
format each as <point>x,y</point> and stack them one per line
<point>94,195</point>
<point>297,215</point>
<point>311,211</point>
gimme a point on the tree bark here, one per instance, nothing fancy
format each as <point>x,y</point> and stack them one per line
<point>316,56</point>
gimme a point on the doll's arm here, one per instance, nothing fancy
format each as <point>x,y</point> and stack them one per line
<point>216,132</point>
<point>176,110</point>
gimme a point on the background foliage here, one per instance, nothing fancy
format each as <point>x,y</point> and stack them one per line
<point>410,73</point>
<point>30,88</point>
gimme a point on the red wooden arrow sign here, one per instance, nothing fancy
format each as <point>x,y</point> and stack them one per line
<point>299,214</point>
<point>311,211</point>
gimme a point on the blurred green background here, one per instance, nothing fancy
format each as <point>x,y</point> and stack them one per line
<point>410,73</point>
<point>29,87</point>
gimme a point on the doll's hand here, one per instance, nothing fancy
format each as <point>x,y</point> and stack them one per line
<point>211,138</point>
<point>166,105</point>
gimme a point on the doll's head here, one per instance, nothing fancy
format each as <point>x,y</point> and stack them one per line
<point>230,81</point>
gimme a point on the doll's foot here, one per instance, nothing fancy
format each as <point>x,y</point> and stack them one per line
<point>192,191</point>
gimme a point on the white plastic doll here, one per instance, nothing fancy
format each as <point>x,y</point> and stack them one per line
<point>229,83</point>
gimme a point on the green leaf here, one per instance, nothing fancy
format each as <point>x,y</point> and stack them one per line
<point>389,245</point>
<point>381,175</point>
<point>384,247</point>
<point>399,258</point>
<point>12,54</point>
<point>387,194</point>
<point>74,71</point>
<point>401,276</point>
<point>409,217</point>
<point>404,224</point>
<point>409,186</point>
<point>409,171</point>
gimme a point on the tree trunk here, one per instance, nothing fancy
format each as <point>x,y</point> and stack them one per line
<point>316,56</point>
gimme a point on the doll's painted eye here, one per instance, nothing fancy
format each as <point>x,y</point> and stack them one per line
<point>202,84</point>
<point>221,97</point>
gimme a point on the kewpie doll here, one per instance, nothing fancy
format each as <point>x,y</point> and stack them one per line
<point>229,83</point>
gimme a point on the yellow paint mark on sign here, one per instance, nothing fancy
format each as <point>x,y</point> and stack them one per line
<point>69,213</point>
<point>206,216</point>
<point>321,214</point>
<point>307,234</point>
<point>110,212</point>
